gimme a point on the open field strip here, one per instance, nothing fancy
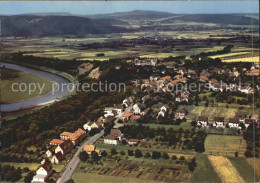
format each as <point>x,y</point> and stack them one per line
<point>225,169</point>
<point>255,162</point>
<point>230,54</point>
<point>225,145</point>
<point>245,59</point>
<point>31,166</point>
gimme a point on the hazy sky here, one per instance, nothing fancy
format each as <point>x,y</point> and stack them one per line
<point>101,7</point>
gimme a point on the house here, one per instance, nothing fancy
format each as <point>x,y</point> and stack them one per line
<point>204,79</point>
<point>133,141</point>
<point>77,136</point>
<point>253,72</point>
<point>165,79</point>
<point>116,133</point>
<point>202,121</point>
<point>55,142</point>
<point>56,158</point>
<point>110,111</point>
<point>65,135</point>
<point>43,172</point>
<point>65,147</point>
<point>182,99</point>
<point>218,122</point>
<point>50,152</point>
<point>91,148</point>
<point>241,117</point>
<point>181,113</point>
<point>126,116</point>
<point>165,107</point>
<point>135,118</point>
<point>91,125</point>
<point>162,113</point>
<point>111,139</point>
<point>137,108</point>
<point>245,89</point>
<point>126,103</point>
<point>233,123</point>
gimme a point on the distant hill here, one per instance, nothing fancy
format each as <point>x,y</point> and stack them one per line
<point>51,25</point>
<point>235,19</point>
<point>134,15</point>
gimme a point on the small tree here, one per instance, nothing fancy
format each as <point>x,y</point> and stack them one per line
<point>122,153</point>
<point>138,153</point>
<point>104,153</point>
<point>174,157</point>
<point>182,158</point>
<point>147,155</point>
<point>130,152</point>
<point>165,156</point>
<point>83,156</point>
<point>236,154</point>
<point>95,156</point>
<point>113,151</point>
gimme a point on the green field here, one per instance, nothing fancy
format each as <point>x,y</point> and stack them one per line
<point>225,145</point>
<point>244,168</point>
<point>211,112</point>
<point>12,76</point>
<point>32,166</point>
<point>183,125</point>
<point>204,171</point>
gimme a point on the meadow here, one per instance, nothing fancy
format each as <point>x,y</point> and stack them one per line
<point>12,76</point>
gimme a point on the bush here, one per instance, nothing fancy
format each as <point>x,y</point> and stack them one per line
<point>174,157</point>
<point>138,153</point>
<point>113,151</point>
<point>130,152</point>
<point>182,158</point>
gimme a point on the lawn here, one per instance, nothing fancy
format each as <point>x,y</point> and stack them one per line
<point>183,125</point>
<point>243,59</point>
<point>211,112</point>
<point>10,76</point>
<point>225,145</point>
<point>255,162</point>
<point>244,168</point>
<point>32,166</point>
<point>204,172</point>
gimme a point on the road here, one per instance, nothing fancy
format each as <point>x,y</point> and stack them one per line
<point>40,100</point>
<point>66,175</point>
<point>120,117</point>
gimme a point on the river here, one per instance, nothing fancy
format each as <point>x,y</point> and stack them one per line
<point>42,99</point>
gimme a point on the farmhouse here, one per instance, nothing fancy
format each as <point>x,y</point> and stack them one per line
<point>49,153</point>
<point>126,116</point>
<point>133,141</point>
<point>111,139</point>
<point>91,148</point>
<point>65,135</point>
<point>91,125</point>
<point>202,121</point>
<point>135,118</point>
<point>181,113</point>
<point>56,159</point>
<point>55,142</point>
<point>137,108</point>
<point>77,136</point>
<point>218,122</point>
<point>43,172</point>
<point>233,123</point>
<point>65,147</point>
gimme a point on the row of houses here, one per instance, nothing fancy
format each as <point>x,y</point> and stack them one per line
<point>60,147</point>
<point>219,122</point>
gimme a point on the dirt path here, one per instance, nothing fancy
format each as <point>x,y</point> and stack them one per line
<point>225,170</point>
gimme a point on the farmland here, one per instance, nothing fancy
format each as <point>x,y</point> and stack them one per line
<point>225,169</point>
<point>12,76</point>
<point>225,145</point>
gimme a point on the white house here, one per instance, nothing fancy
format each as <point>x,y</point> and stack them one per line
<point>165,107</point>
<point>90,125</point>
<point>126,103</point>
<point>43,172</point>
<point>233,123</point>
<point>111,139</point>
<point>133,141</point>
<point>65,147</point>
<point>162,113</point>
<point>50,152</point>
<point>109,111</point>
<point>137,108</point>
<point>245,89</point>
<point>218,122</point>
<point>202,121</point>
<point>181,113</point>
<point>56,158</point>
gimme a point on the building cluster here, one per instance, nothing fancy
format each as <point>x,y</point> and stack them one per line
<point>116,137</point>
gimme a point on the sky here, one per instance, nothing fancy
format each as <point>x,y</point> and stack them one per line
<point>103,7</point>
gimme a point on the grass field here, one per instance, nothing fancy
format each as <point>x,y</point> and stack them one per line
<point>204,171</point>
<point>245,169</point>
<point>244,59</point>
<point>225,145</point>
<point>210,112</point>
<point>255,162</point>
<point>12,76</point>
<point>225,169</point>
<point>183,125</point>
<point>32,166</point>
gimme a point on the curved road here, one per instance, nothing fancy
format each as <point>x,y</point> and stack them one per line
<point>40,100</point>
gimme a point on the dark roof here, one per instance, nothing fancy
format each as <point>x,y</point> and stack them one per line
<point>115,132</point>
<point>67,144</point>
<point>52,149</point>
<point>46,166</point>
<point>183,110</point>
<point>240,116</point>
<point>202,118</point>
<point>219,119</point>
<point>233,120</point>
<point>111,137</point>
<point>59,155</point>
<point>248,121</point>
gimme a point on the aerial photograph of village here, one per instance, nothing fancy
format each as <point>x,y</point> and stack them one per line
<point>130,91</point>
